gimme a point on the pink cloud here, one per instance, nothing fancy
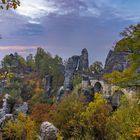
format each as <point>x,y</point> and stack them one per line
<point>17,48</point>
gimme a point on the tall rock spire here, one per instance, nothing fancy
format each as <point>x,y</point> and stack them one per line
<point>84,63</point>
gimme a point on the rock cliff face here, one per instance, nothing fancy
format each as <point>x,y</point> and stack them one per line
<point>75,63</point>
<point>116,61</point>
<point>4,111</point>
<point>70,68</point>
<point>48,85</point>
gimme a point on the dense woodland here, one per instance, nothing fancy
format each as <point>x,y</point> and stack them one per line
<point>76,119</point>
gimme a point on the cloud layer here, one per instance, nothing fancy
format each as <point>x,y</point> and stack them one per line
<point>66,26</point>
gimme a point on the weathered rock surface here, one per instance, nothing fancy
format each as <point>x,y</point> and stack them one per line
<point>23,108</point>
<point>48,85</point>
<point>70,68</point>
<point>60,93</point>
<point>4,111</point>
<point>75,63</point>
<point>84,62</point>
<point>116,61</point>
<point>48,131</point>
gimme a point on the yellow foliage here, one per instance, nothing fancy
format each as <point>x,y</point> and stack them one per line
<point>136,131</point>
<point>96,115</point>
<point>23,126</point>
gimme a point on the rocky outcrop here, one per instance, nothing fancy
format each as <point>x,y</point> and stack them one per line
<point>7,113</point>
<point>48,85</point>
<point>48,131</point>
<point>23,108</point>
<point>116,61</point>
<point>70,68</point>
<point>60,93</point>
<point>4,111</point>
<point>75,63</point>
<point>84,62</point>
<point>85,81</point>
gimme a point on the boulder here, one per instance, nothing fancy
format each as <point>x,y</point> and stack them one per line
<point>48,131</point>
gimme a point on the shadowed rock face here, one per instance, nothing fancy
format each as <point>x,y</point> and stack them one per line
<point>48,85</point>
<point>75,63</point>
<point>70,69</point>
<point>84,63</point>
<point>116,61</point>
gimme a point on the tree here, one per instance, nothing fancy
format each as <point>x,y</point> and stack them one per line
<point>124,123</point>
<point>68,112</point>
<point>48,65</point>
<point>30,62</point>
<point>130,43</point>
<point>77,79</point>
<point>42,112</point>
<point>14,62</point>
<point>97,67</point>
<point>39,55</point>
<point>6,4</point>
<point>95,118</point>
<point>21,128</point>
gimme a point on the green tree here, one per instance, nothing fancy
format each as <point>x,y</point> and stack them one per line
<point>39,56</point>
<point>48,65</point>
<point>30,62</point>
<point>77,79</point>
<point>14,62</point>
<point>130,43</point>
<point>97,67</point>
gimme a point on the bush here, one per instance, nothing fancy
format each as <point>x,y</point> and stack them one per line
<point>122,123</point>
<point>68,114</point>
<point>21,128</point>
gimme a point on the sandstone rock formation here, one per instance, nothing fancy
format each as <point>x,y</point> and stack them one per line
<point>116,61</point>
<point>48,131</point>
<point>75,63</point>
<point>84,62</point>
<point>23,108</point>
<point>48,85</point>
<point>70,68</point>
<point>4,111</point>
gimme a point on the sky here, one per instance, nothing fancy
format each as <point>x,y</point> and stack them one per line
<point>65,27</point>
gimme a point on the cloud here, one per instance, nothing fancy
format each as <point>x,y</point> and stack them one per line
<point>66,26</point>
<point>17,48</point>
<point>35,9</point>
